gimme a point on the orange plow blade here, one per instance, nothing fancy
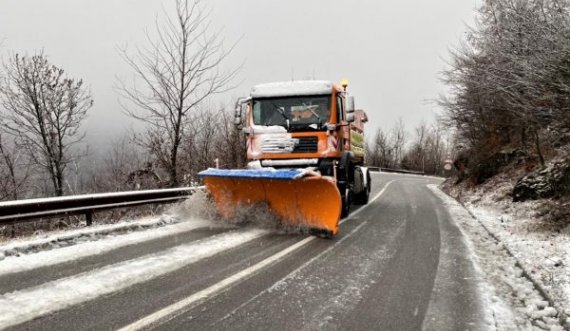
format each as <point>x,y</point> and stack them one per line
<point>299,198</point>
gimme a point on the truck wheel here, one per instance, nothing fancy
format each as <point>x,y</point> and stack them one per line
<point>345,179</point>
<point>346,202</point>
<point>361,198</point>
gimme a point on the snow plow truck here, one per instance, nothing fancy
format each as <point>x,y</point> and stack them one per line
<point>305,148</point>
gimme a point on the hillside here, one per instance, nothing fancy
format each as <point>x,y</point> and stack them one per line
<point>526,207</point>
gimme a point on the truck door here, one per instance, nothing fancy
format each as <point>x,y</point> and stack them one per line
<point>344,130</point>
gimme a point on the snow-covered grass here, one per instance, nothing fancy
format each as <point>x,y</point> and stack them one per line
<point>522,227</point>
<point>510,294</point>
<point>544,255</point>
<point>20,306</point>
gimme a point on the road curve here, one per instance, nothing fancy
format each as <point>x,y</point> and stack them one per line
<point>399,263</point>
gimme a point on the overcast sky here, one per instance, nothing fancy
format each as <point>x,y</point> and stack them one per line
<point>390,51</point>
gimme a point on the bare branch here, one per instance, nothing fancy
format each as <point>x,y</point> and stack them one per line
<point>178,70</point>
<point>43,111</point>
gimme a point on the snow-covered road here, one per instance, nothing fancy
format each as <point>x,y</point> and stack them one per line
<point>409,260</point>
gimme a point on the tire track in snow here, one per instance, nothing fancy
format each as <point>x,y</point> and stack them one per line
<point>15,264</point>
<point>21,306</point>
<point>183,305</point>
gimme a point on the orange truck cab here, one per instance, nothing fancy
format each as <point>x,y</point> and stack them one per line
<point>310,125</point>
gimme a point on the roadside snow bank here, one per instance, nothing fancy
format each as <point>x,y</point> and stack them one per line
<point>545,255</point>
<point>513,299</point>
<point>541,246</point>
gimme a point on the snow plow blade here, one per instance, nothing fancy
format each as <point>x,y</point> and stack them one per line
<point>299,197</point>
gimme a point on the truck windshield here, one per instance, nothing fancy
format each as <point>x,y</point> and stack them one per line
<point>293,113</point>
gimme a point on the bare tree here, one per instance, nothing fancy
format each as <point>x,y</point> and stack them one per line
<point>126,166</point>
<point>427,150</point>
<point>14,171</point>
<point>510,81</point>
<point>378,152</point>
<point>232,146</point>
<point>206,123</point>
<point>398,136</point>
<point>178,71</point>
<point>416,155</point>
<point>43,111</point>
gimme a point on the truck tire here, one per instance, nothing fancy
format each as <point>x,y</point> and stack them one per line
<point>345,178</point>
<point>346,202</point>
<point>362,197</point>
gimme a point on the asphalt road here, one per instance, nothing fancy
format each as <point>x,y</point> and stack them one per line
<point>399,263</point>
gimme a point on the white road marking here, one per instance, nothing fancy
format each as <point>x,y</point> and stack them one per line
<point>382,190</point>
<point>296,271</point>
<point>194,299</point>
<point>214,289</point>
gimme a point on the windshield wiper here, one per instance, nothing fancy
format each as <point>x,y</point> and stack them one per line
<point>312,108</point>
<point>282,112</point>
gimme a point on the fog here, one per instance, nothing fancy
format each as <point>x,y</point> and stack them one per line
<point>390,51</point>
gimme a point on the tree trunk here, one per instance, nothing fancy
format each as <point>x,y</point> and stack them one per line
<point>538,149</point>
<point>59,181</point>
<point>173,165</point>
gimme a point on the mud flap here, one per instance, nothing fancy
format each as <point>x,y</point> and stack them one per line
<point>299,197</point>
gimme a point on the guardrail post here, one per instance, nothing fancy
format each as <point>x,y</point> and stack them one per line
<point>89,217</point>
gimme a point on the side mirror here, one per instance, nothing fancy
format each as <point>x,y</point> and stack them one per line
<point>350,105</point>
<point>239,110</point>
<point>237,113</point>
<point>350,117</point>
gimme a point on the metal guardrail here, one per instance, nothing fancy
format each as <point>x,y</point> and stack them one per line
<point>29,209</point>
<point>402,171</point>
<point>22,210</point>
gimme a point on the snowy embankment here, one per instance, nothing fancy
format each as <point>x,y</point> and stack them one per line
<point>544,255</point>
<point>514,290</point>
